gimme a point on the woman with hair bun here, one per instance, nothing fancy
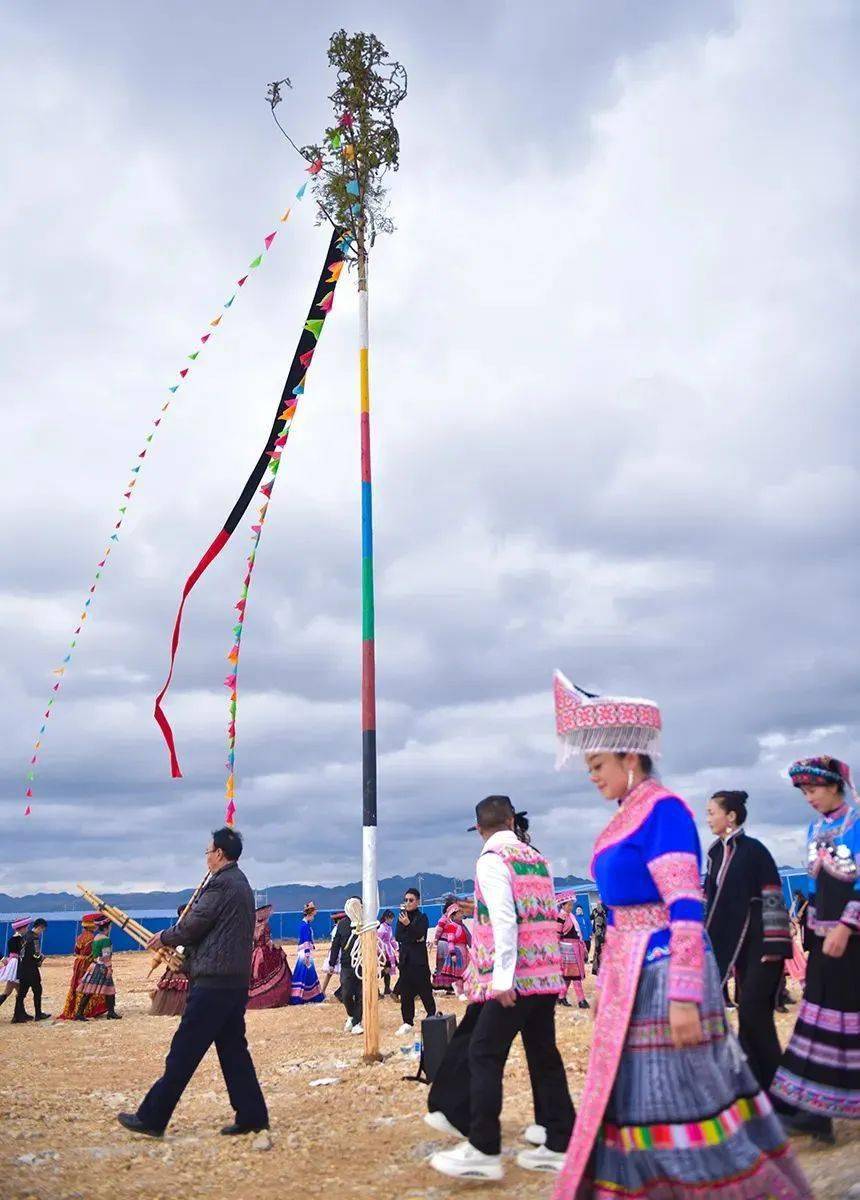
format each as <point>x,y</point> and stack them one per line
<point>747,921</point>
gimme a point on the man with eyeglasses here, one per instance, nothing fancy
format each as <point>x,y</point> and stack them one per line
<point>411,934</point>
<point>217,934</point>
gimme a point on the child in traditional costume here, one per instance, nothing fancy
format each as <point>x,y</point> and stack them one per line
<point>820,1072</point>
<point>747,923</point>
<point>670,1106</point>
<point>452,949</point>
<point>10,964</point>
<point>96,1005</point>
<point>271,980</point>
<point>170,994</point>
<point>572,946</point>
<point>388,946</point>
<point>98,980</point>
<point>305,987</point>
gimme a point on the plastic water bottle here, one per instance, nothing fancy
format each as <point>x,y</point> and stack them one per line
<point>416,1049</point>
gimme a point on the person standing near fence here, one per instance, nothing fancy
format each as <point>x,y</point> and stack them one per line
<point>29,971</point>
<point>411,934</point>
<point>217,934</point>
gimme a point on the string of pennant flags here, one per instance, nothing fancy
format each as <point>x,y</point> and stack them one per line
<point>262,478</point>
<point>128,495</point>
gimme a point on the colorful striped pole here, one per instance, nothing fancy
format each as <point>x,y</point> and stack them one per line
<point>369,876</point>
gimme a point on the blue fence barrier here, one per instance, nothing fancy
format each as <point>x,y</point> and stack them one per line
<point>64,927</point>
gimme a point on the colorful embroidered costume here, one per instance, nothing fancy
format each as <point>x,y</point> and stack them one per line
<point>820,1072</point>
<point>98,980</point>
<point>271,980</point>
<point>96,1006</point>
<point>572,947</point>
<point>657,1120</point>
<point>305,987</point>
<point>452,953</point>
<point>388,944</point>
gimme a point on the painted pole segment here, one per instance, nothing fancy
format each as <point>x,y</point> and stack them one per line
<point>369,875</point>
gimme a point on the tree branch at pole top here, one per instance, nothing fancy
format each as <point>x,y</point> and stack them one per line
<point>363,144</point>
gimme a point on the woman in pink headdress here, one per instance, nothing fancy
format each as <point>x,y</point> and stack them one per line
<point>669,1107</point>
<point>572,951</point>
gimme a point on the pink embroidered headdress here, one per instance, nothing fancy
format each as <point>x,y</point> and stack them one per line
<point>586,723</point>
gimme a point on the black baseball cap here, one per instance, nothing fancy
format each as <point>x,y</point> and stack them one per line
<point>494,802</point>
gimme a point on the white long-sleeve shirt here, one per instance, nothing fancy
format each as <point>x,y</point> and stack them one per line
<point>494,879</point>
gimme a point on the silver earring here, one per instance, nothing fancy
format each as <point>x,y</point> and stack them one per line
<point>630,780</point>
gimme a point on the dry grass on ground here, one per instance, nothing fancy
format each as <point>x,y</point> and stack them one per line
<point>61,1084</point>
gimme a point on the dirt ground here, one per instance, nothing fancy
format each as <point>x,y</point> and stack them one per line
<point>337,1126</point>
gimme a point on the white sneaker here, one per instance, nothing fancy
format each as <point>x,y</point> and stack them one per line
<point>439,1122</point>
<point>540,1159</point>
<point>347,1027</point>
<point>404,1028</point>
<point>535,1134</point>
<point>465,1162</point>
<point>357,1028</point>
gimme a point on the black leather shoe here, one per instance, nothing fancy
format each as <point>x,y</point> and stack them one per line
<point>232,1130</point>
<point>133,1123</point>
<point>43,1016</point>
<point>820,1128</point>
<point>565,1003</point>
<point>21,1019</point>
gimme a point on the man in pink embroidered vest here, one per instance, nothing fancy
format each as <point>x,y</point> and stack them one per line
<point>513,984</point>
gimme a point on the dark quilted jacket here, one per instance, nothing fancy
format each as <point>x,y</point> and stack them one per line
<point>218,931</point>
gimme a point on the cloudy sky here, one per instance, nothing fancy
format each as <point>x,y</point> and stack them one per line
<point>614,382</point>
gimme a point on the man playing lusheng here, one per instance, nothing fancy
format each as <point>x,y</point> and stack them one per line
<point>218,930</point>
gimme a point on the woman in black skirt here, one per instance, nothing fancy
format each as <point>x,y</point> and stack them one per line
<point>747,922</point>
<point>819,1077</point>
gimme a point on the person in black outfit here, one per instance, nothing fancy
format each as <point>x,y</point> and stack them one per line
<point>342,944</point>
<point>747,921</point>
<point>218,930</point>
<point>29,973</point>
<point>414,980</point>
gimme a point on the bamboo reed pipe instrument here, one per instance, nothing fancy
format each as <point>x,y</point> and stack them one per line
<point>164,955</point>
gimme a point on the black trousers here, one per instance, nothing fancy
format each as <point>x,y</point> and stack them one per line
<point>468,1085</point>
<point>28,983</point>
<point>758,985</point>
<point>415,981</point>
<point>213,1016</point>
<point>350,992</point>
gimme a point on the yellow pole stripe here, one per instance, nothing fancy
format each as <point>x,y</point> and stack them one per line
<point>365,380</point>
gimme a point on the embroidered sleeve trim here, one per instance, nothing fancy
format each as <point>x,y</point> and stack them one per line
<point>851,915</point>
<point>687,961</point>
<point>676,876</point>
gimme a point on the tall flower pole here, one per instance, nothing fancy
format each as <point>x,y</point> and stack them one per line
<point>347,172</point>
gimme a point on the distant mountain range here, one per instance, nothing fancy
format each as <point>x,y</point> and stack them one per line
<point>286,897</point>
